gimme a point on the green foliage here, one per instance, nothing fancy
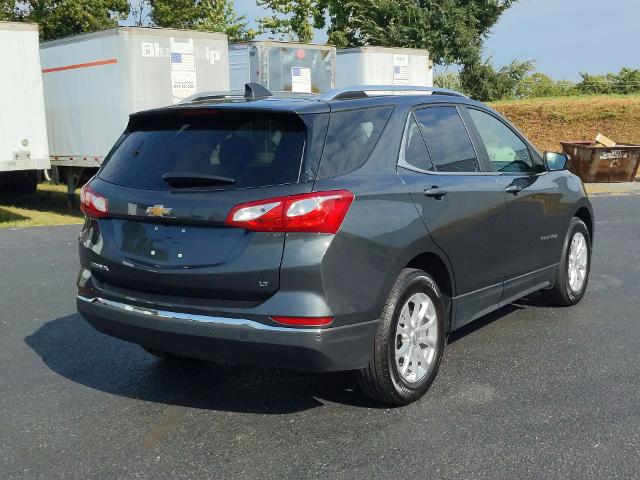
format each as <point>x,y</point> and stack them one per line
<point>627,81</point>
<point>293,21</point>
<point>60,18</point>
<point>204,15</point>
<point>598,84</point>
<point>7,10</point>
<point>482,81</point>
<point>452,30</point>
<point>450,80</point>
<point>540,85</point>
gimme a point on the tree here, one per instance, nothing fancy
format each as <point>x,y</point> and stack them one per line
<point>61,18</point>
<point>540,85</point>
<point>204,15</point>
<point>7,10</point>
<point>452,30</point>
<point>294,20</point>
<point>482,81</point>
<point>140,12</point>
<point>450,80</point>
<point>625,82</point>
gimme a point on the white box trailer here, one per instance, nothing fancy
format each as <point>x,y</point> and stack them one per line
<point>282,66</point>
<point>23,130</point>
<point>94,81</point>
<point>383,66</point>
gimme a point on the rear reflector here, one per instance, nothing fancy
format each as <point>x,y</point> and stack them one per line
<point>304,321</point>
<point>92,204</point>
<point>317,212</point>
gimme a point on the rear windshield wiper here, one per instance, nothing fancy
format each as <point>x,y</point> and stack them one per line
<point>186,179</point>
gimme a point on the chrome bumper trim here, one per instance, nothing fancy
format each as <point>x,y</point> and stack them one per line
<point>214,321</point>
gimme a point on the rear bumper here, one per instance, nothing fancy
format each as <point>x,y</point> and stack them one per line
<point>233,340</point>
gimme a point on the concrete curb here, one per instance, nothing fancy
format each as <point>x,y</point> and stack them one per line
<point>625,188</point>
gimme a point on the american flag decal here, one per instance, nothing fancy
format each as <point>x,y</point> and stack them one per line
<point>183,62</point>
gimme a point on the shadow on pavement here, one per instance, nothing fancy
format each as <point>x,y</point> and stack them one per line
<point>73,349</point>
<point>535,300</point>
<point>481,322</point>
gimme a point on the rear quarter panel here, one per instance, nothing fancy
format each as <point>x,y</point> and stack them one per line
<point>380,235</point>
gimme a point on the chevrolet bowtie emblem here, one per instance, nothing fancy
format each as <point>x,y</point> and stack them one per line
<point>158,211</point>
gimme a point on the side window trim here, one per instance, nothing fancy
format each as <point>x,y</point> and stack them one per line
<point>402,162</point>
<point>533,153</point>
<point>477,141</point>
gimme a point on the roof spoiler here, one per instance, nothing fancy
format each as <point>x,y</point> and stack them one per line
<point>255,91</point>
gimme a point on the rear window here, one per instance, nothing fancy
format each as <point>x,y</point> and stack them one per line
<point>351,137</point>
<point>253,149</point>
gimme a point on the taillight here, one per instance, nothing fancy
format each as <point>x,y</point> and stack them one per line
<point>317,212</point>
<point>304,321</point>
<point>92,204</point>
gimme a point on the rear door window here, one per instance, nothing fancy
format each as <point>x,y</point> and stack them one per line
<point>447,140</point>
<point>351,136</point>
<point>253,150</point>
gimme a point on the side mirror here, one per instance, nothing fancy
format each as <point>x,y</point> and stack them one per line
<point>555,161</point>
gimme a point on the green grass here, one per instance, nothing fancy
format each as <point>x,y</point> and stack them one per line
<point>48,206</point>
<point>568,98</point>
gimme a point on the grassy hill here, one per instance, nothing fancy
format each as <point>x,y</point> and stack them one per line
<point>547,121</point>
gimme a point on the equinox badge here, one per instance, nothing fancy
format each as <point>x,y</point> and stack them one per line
<point>158,211</point>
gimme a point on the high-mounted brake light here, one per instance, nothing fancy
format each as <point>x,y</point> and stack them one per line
<point>92,204</point>
<point>317,212</point>
<point>304,321</point>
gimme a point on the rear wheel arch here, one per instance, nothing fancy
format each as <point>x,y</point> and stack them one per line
<point>440,271</point>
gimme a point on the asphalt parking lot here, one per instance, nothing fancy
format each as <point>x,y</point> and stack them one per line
<point>528,392</point>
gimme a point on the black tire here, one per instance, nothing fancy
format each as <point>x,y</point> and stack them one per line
<point>562,294</point>
<point>381,379</point>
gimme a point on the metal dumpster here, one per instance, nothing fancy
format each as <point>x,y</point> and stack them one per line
<point>594,163</point>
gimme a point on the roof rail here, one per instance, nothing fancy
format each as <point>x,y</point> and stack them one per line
<point>364,91</point>
<point>213,95</point>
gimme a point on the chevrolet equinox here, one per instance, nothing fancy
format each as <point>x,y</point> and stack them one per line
<point>346,231</point>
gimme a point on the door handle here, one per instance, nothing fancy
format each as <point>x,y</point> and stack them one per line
<point>515,189</point>
<point>435,192</point>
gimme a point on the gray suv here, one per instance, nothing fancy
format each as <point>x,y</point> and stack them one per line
<point>346,231</point>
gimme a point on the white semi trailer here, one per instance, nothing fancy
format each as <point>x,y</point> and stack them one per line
<point>24,150</point>
<point>94,81</point>
<point>282,66</point>
<point>383,66</point>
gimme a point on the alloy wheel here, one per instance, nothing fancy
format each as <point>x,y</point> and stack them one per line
<point>416,338</point>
